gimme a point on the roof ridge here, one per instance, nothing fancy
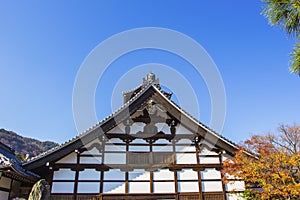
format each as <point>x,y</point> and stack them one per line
<point>196,120</point>
<point>93,127</point>
<point>125,105</point>
<point>132,90</point>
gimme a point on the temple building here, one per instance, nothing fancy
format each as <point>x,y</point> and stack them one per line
<point>150,148</point>
<point>15,181</point>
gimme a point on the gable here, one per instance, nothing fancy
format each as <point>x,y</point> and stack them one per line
<point>149,115</point>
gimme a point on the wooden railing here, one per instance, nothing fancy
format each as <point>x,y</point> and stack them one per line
<point>182,196</point>
<point>71,197</point>
<point>213,196</point>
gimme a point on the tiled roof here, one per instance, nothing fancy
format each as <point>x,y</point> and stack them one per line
<point>124,106</point>
<point>8,160</point>
<point>200,123</point>
<point>97,125</point>
<point>7,156</point>
<point>132,90</point>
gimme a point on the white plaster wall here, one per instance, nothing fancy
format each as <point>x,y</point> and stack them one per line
<point>162,141</point>
<point>4,195</point>
<point>184,141</point>
<point>188,186</point>
<point>116,140</point>
<point>113,187</point>
<point>136,127</point>
<point>62,187</point>
<point>89,174</point>
<point>164,187</point>
<point>210,173</point>
<point>228,176</point>
<point>205,151</point>
<point>212,186</point>
<point>187,174</point>
<point>163,174</point>
<point>166,148</point>
<point>235,186</point>
<point>70,159</point>
<point>114,174</point>
<point>185,148</point>
<point>88,187</point>
<point>139,187</point>
<point>139,148</point>
<point>182,130</point>
<point>226,156</point>
<point>64,174</point>
<point>139,175</point>
<point>136,187</point>
<point>112,147</point>
<point>120,128</point>
<point>115,158</point>
<point>139,141</point>
<point>186,158</point>
<point>163,127</point>
<point>93,151</point>
<point>5,182</point>
<point>90,160</point>
<point>209,160</point>
<point>234,196</point>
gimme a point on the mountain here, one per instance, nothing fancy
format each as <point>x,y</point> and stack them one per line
<point>24,145</point>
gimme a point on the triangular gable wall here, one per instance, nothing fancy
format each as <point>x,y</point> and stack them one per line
<point>149,145</point>
<point>113,124</point>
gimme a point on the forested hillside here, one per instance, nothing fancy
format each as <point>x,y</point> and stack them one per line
<point>24,145</point>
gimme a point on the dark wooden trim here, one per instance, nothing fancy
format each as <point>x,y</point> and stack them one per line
<point>199,172</point>
<point>89,136</point>
<point>209,156</point>
<point>73,181</point>
<point>151,171</point>
<point>223,183</point>
<point>130,167</point>
<point>234,179</point>
<point>90,155</point>
<point>234,192</point>
<point>188,123</point>
<point>111,122</point>
<point>102,171</point>
<point>76,176</point>
<point>51,178</point>
<point>211,180</point>
<point>151,182</point>
<point>126,173</point>
<point>126,182</point>
<point>5,189</point>
<point>11,184</point>
<point>176,181</point>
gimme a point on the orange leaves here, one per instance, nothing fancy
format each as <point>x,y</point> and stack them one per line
<point>274,165</point>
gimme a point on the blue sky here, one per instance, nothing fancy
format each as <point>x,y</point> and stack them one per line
<point>43,44</point>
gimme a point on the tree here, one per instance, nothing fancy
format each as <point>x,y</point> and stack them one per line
<point>269,165</point>
<point>286,14</point>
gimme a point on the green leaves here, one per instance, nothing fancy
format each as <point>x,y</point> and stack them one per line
<point>286,14</point>
<point>295,60</point>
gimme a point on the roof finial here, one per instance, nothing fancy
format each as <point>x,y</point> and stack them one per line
<point>150,78</point>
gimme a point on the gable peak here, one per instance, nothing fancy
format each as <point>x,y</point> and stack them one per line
<point>150,78</point>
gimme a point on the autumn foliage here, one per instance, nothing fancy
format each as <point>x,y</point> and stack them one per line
<point>269,164</point>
